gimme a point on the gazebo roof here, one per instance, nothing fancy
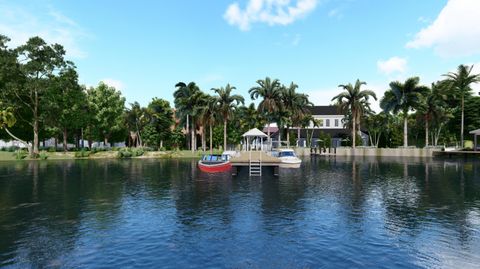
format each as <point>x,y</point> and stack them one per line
<point>475,132</point>
<point>254,133</point>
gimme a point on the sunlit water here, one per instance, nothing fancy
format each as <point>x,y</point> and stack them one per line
<point>331,213</point>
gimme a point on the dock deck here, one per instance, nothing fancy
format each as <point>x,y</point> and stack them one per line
<point>243,160</point>
<point>457,153</point>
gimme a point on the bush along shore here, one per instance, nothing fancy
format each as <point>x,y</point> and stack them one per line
<point>14,153</point>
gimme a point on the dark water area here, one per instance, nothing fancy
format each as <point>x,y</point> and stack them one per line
<point>330,213</point>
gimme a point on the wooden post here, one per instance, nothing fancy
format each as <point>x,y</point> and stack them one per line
<point>475,142</point>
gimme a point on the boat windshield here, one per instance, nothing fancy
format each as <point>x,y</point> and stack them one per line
<point>286,154</point>
<point>213,158</point>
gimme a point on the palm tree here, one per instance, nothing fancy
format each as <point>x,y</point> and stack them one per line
<point>403,97</point>
<point>460,83</point>
<point>355,101</point>
<point>208,115</point>
<point>432,107</point>
<point>295,104</point>
<point>270,91</point>
<point>226,104</point>
<point>186,100</point>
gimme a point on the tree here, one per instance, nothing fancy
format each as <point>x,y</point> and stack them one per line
<point>187,97</point>
<point>403,97</point>
<point>35,66</point>
<point>66,99</point>
<point>433,107</point>
<point>355,101</point>
<point>108,106</point>
<point>226,104</point>
<point>161,118</point>
<point>270,91</point>
<point>135,122</point>
<point>296,106</point>
<point>461,82</point>
<point>375,124</point>
<point>209,116</point>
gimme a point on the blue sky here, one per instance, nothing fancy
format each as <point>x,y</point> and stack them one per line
<point>145,47</point>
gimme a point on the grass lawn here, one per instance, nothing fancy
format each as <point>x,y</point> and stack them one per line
<point>10,156</point>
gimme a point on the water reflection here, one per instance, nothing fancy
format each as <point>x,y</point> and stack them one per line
<point>332,212</point>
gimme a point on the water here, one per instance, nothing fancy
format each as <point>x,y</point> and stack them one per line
<point>167,214</point>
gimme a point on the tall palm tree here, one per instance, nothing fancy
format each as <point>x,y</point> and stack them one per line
<point>208,115</point>
<point>296,104</point>
<point>355,101</point>
<point>460,82</point>
<point>226,103</point>
<point>270,91</point>
<point>187,97</point>
<point>432,107</point>
<point>403,97</point>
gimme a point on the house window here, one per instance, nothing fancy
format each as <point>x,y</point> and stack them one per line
<point>336,122</point>
<point>321,123</point>
<point>327,122</point>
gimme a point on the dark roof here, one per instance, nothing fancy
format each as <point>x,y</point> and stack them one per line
<point>325,110</point>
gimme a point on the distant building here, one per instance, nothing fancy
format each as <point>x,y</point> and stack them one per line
<point>330,121</point>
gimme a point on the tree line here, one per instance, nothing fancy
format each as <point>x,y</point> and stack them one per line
<point>41,98</point>
<point>440,112</point>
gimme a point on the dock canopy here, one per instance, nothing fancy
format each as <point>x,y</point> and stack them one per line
<point>254,139</point>
<point>255,133</point>
<point>475,134</point>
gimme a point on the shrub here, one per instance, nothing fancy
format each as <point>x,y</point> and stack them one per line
<point>20,154</point>
<point>51,149</point>
<point>82,154</point>
<point>12,149</point>
<point>43,155</point>
<point>128,152</point>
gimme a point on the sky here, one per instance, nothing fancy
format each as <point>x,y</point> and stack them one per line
<point>143,48</point>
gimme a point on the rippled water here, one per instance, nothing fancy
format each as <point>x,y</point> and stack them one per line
<point>331,213</point>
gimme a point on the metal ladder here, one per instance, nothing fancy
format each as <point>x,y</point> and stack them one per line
<point>255,166</point>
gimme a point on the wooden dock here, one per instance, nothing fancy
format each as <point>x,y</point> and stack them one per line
<point>245,158</point>
<point>456,153</point>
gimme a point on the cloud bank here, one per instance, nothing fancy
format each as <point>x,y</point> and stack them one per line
<point>392,65</point>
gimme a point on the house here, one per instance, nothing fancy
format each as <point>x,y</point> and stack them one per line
<point>329,121</point>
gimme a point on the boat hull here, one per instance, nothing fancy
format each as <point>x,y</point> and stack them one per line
<point>214,168</point>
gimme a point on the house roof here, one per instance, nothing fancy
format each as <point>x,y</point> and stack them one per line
<point>254,133</point>
<point>325,110</point>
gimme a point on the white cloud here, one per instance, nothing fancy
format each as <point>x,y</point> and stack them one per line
<point>454,32</point>
<point>392,65</point>
<point>117,84</point>
<point>272,12</point>
<point>20,24</point>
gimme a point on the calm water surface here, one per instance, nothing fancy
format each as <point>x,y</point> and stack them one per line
<point>331,213</point>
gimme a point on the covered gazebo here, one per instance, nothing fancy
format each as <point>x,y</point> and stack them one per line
<point>475,140</point>
<point>252,138</point>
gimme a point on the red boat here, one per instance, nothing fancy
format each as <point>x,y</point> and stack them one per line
<point>214,163</point>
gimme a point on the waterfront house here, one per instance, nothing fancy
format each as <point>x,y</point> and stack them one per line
<point>330,122</point>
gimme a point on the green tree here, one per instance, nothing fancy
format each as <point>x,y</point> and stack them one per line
<point>108,106</point>
<point>226,104</point>
<point>433,107</point>
<point>187,97</point>
<point>460,83</point>
<point>403,97</point>
<point>270,92</point>
<point>135,120</point>
<point>67,99</point>
<point>296,106</point>
<point>209,116</point>
<point>36,65</point>
<point>355,101</point>
<point>161,118</point>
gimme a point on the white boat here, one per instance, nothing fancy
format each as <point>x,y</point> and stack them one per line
<point>288,158</point>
